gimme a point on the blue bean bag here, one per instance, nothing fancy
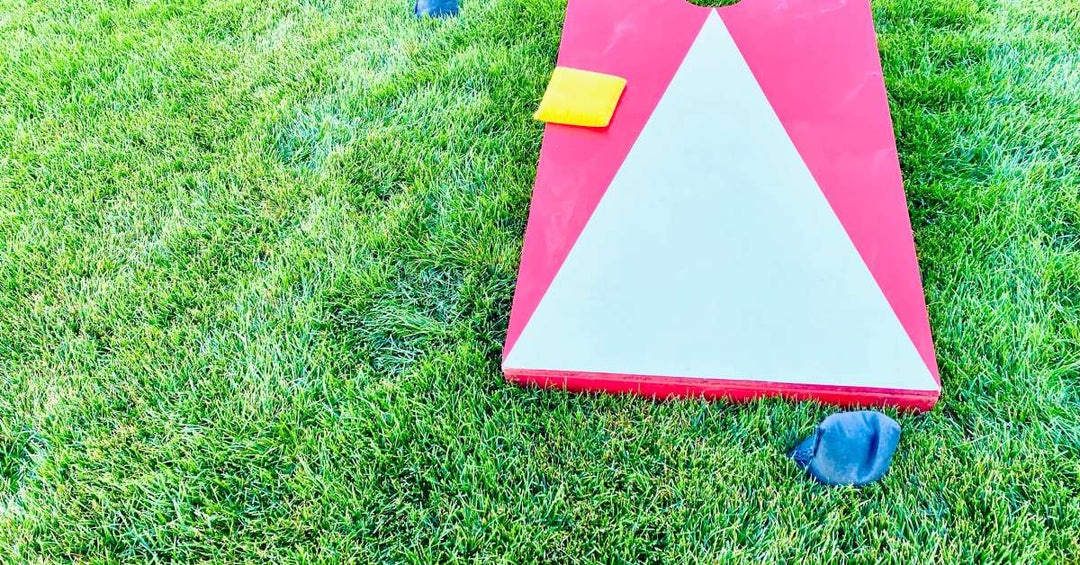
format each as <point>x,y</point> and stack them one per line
<point>849,448</point>
<point>435,8</point>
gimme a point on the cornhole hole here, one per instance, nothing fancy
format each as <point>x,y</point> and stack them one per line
<point>739,229</point>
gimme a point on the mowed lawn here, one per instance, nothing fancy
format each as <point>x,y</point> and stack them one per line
<point>256,263</point>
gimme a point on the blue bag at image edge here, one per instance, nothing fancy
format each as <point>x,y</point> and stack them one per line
<point>435,8</point>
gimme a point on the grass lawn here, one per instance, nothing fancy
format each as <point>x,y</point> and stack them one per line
<point>256,262</point>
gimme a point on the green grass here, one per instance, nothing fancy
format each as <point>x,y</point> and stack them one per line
<point>256,261</point>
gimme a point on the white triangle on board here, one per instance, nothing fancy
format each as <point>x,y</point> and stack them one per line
<point>714,254</point>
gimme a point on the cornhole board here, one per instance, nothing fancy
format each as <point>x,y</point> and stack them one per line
<point>739,229</point>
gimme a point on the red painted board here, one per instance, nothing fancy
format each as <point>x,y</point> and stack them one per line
<point>772,116</point>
